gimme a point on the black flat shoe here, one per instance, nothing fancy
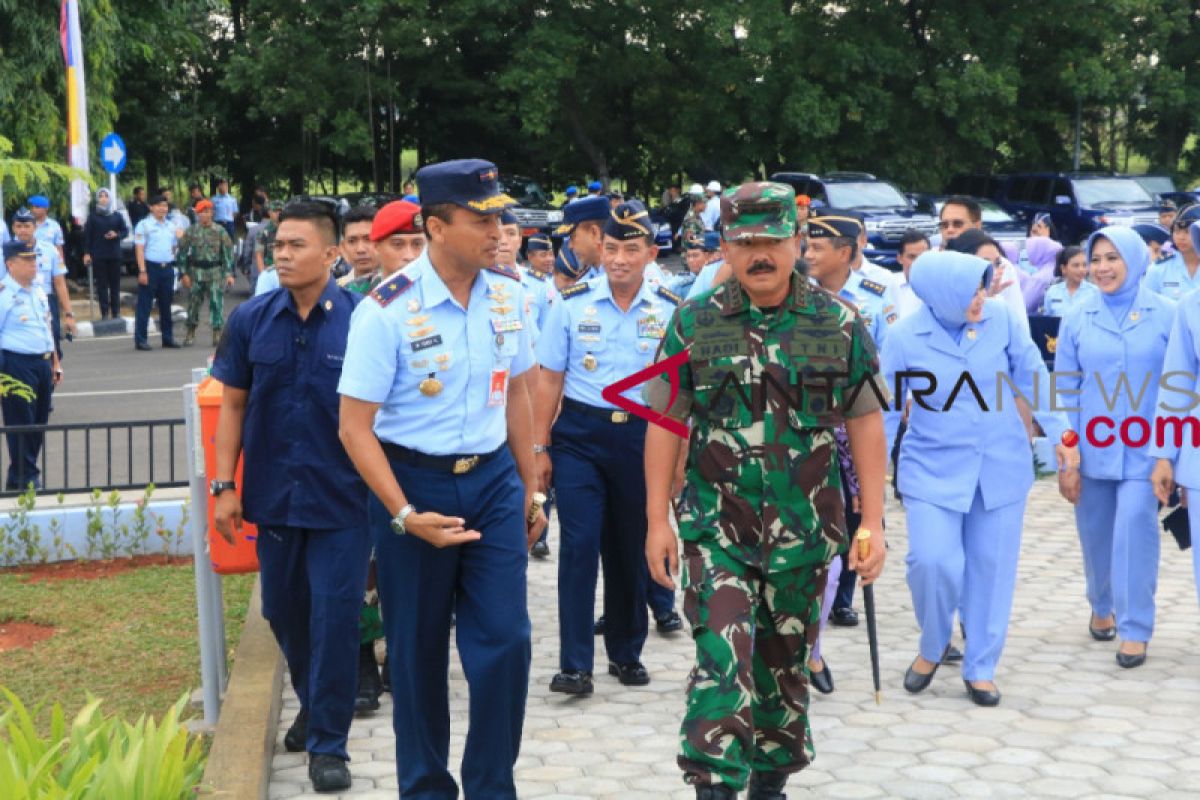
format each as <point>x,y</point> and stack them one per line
<point>952,655</point>
<point>822,680</point>
<point>572,682</point>
<point>598,627</point>
<point>294,740</point>
<point>915,682</point>
<point>1129,661</point>
<point>844,617</point>
<point>1102,634</point>
<point>328,773</point>
<point>633,674</point>
<point>540,550</point>
<point>668,623</point>
<point>982,697</point>
<point>143,346</point>
<point>173,345</point>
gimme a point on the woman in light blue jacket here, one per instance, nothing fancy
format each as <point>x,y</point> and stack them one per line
<point>1108,362</point>
<point>964,518</point>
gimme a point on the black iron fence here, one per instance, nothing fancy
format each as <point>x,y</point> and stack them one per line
<point>80,457</point>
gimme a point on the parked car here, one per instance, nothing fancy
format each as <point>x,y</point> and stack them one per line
<point>1079,203</point>
<point>534,210</point>
<point>1000,225</point>
<point>1163,187</point>
<point>887,213</point>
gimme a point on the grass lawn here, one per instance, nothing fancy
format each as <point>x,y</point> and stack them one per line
<point>127,638</point>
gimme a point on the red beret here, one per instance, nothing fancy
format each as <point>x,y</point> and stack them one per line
<point>204,205</point>
<point>398,216</point>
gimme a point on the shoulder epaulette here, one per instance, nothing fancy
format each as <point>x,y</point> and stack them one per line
<point>1164,257</point>
<point>508,272</point>
<point>663,291</point>
<point>873,287</point>
<point>392,288</point>
<point>572,291</point>
<point>541,276</point>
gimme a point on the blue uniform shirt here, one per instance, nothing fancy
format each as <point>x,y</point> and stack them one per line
<point>268,280</point>
<point>1058,301</point>
<point>875,301</point>
<point>1181,375</point>
<point>411,332</point>
<point>296,472</point>
<point>539,294</point>
<point>595,343</point>
<point>224,207</point>
<point>1170,278</point>
<point>49,232</point>
<point>24,318</point>
<point>49,266</point>
<point>704,279</point>
<point>158,238</point>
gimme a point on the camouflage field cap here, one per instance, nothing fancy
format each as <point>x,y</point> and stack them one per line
<point>758,209</point>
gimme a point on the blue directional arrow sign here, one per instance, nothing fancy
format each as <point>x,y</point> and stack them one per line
<point>113,153</point>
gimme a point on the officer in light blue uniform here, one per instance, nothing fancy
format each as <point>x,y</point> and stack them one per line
<point>583,222</point>
<point>539,286</point>
<point>47,230</point>
<point>155,241</point>
<point>437,365</point>
<point>965,473</point>
<point>1120,333</point>
<point>1178,459</point>
<point>708,273</point>
<point>1172,277</point>
<point>268,280</point>
<point>26,355</point>
<point>596,334</point>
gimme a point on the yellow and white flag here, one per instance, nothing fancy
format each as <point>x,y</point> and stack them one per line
<point>77,128</point>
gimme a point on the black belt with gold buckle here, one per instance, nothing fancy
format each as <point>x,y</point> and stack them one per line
<point>616,416</point>
<point>454,464</point>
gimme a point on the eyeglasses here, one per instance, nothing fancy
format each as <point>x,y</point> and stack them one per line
<point>955,224</point>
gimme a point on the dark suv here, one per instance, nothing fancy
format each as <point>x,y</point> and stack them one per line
<point>1080,203</point>
<point>887,213</point>
<point>534,211</point>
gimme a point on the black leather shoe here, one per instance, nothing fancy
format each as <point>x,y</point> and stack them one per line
<point>369,686</point>
<point>328,773</point>
<point>1128,661</point>
<point>952,655</point>
<point>385,677</point>
<point>598,627</point>
<point>668,623</point>
<point>822,681</point>
<point>915,682</point>
<point>844,617</point>
<point>142,346</point>
<point>983,697</point>
<point>717,791</point>
<point>297,735</point>
<point>572,682</point>
<point>767,786</point>
<point>1102,634</point>
<point>633,674</point>
<point>540,550</point>
<point>173,345</point>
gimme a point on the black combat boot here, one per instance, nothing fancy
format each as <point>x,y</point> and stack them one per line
<point>718,791</point>
<point>369,686</point>
<point>767,786</point>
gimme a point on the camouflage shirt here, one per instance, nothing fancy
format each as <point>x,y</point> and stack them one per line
<point>764,392</point>
<point>205,247</point>
<point>264,243</point>
<point>691,228</point>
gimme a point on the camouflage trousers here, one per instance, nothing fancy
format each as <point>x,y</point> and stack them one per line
<point>748,691</point>
<point>207,284</point>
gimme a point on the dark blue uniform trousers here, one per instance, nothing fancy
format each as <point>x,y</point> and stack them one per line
<point>484,581</point>
<point>312,589</point>
<point>599,482</point>
<point>160,288</point>
<point>24,448</point>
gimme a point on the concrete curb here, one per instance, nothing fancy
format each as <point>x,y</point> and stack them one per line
<point>239,762</point>
<point>86,329</point>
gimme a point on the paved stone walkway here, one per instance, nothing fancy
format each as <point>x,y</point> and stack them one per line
<point>1072,724</point>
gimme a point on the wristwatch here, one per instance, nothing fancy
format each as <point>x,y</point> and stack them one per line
<point>215,487</point>
<point>538,449</point>
<point>400,518</point>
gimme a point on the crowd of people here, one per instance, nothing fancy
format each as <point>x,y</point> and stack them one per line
<point>401,422</point>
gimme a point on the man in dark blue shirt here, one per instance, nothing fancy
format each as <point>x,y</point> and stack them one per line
<point>280,360</point>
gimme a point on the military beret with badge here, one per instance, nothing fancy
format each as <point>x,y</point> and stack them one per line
<point>398,216</point>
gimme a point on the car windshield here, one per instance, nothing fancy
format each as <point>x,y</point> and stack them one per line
<point>1105,191</point>
<point>992,214</point>
<point>526,192</point>
<point>1156,184</point>
<point>865,194</point>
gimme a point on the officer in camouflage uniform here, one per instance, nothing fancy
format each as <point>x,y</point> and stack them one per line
<point>205,256</point>
<point>761,512</point>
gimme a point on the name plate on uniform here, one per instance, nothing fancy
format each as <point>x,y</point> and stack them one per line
<point>589,327</point>
<point>427,342</point>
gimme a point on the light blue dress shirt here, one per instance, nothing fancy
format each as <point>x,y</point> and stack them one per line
<point>49,266</point>
<point>268,280</point>
<point>158,238</point>
<point>410,329</point>
<point>1179,397</point>
<point>24,318</point>
<point>224,207</point>
<point>49,232</point>
<point>586,327</point>
<point>539,295</point>
<point>1170,278</point>
<point>1058,301</point>
<point>704,279</point>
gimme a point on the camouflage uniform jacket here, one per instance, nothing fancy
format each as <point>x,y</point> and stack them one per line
<point>205,247</point>
<point>763,481</point>
<point>265,243</point>
<point>691,228</point>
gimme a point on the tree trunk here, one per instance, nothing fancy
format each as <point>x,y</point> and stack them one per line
<point>579,133</point>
